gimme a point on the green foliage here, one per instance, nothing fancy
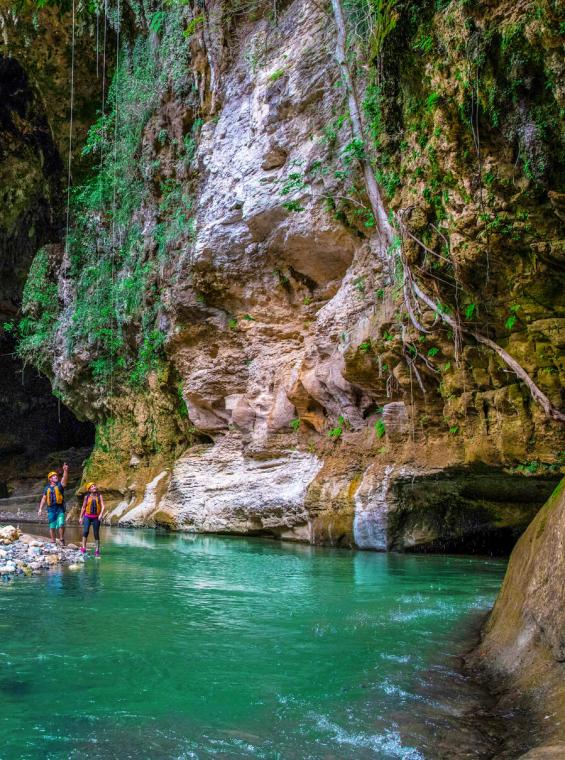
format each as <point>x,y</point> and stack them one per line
<point>424,43</point>
<point>295,423</point>
<point>293,206</point>
<point>175,210</point>
<point>193,25</point>
<point>433,351</point>
<point>372,21</point>
<point>365,347</point>
<point>117,285</point>
<point>276,75</point>
<point>380,429</point>
<point>150,356</point>
<point>454,429</point>
<point>470,310</point>
<point>183,408</point>
<point>40,309</point>
<point>354,150</point>
<point>293,183</point>
<point>528,468</point>
<point>336,432</point>
<point>512,319</point>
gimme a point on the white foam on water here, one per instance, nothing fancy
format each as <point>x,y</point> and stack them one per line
<point>402,659</point>
<point>387,742</point>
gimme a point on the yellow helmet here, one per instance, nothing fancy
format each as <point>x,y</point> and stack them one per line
<point>50,474</point>
<point>88,486</point>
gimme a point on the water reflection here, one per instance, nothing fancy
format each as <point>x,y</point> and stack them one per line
<point>211,647</point>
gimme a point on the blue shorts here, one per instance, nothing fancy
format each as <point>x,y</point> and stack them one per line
<point>56,517</point>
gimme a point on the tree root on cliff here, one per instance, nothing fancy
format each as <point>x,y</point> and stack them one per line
<point>539,397</point>
<point>385,234</point>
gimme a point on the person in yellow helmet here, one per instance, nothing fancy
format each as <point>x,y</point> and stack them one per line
<point>54,497</point>
<point>92,512</point>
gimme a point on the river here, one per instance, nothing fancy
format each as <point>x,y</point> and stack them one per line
<point>181,646</point>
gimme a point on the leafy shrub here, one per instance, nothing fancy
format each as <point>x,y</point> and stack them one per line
<point>380,428</point>
<point>336,432</point>
<point>40,309</point>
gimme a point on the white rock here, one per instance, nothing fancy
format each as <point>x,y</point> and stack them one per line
<point>9,532</point>
<point>371,509</point>
<point>224,490</point>
<point>140,513</point>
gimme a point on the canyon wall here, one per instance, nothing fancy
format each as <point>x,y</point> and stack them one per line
<point>523,649</point>
<point>220,312</point>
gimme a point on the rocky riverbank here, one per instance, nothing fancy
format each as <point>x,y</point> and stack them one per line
<point>24,554</point>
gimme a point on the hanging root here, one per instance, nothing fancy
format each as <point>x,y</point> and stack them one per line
<point>411,288</point>
<point>539,397</point>
<point>407,291</point>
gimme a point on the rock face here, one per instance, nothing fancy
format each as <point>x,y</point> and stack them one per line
<point>524,639</point>
<point>257,343</point>
<point>221,490</point>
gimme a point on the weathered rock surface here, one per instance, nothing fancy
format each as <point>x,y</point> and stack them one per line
<point>281,329</point>
<point>524,639</point>
<point>219,489</point>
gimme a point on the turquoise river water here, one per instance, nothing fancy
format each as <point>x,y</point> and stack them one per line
<point>179,646</point>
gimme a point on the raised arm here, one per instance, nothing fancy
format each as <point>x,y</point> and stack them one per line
<point>65,478</point>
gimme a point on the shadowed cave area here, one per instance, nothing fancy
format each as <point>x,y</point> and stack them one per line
<point>37,432</point>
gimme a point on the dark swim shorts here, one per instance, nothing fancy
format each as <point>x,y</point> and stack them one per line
<point>87,522</point>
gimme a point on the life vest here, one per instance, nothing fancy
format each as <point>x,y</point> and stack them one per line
<point>92,505</point>
<point>55,495</point>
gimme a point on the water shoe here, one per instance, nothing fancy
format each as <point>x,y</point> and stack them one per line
<point>82,550</point>
<point>96,553</point>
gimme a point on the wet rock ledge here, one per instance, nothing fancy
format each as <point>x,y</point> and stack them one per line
<point>23,554</point>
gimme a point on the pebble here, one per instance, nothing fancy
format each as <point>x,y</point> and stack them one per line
<point>24,555</point>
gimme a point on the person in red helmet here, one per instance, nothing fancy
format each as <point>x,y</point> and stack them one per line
<point>54,497</point>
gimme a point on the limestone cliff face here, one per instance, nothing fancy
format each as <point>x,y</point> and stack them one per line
<point>291,395</point>
<point>524,639</point>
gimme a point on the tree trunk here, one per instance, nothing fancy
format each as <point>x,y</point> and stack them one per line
<point>371,186</point>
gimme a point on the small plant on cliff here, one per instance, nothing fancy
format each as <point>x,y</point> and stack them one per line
<point>183,408</point>
<point>295,423</point>
<point>380,429</point>
<point>276,75</point>
<point>512,319</point>
<point>336,432</point>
